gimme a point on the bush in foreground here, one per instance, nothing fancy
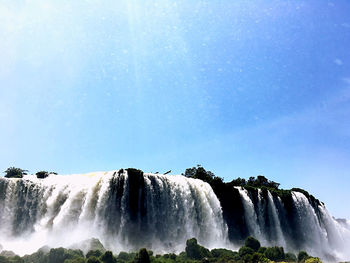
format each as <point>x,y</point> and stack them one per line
<point>195,253</point>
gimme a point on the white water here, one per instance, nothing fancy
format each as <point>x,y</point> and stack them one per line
<point>250,214</point>
<point>276,221</point>
<point>161,213</point>
<point>323,234</point>
<point>319,234</point>
<point>314,235</point>
<point>63,210</point>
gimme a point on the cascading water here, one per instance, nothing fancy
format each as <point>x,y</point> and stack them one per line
<point>306,226</point>
<point>312,233</point>
<point>125,211</point>
<point>250,214</point>
<point>338,234</point>
<point>276,221</point>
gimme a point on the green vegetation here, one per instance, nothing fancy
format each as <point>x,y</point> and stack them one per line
<point>42,174</point>
<point>194,253</point>
<point>252,243</point>
<point>260,182</point>
<point>302,256</point>
<point>13,172</point>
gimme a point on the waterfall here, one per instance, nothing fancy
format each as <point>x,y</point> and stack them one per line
<point>276,221</point>
<point>314,235</point>
<point>338,234</point>
<point>250,214</point>
<point>130,209</point>
<point>125,211</point>
<point>261,214</point>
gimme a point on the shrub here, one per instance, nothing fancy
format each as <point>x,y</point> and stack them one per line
<point>75,260</point>
<point>142,256</point>
<point>93,260</point>
<point>200,173</point>
<point>4,259</point>
<point>252,243</point>
<point>195,251</point>
<point>247,258</point>
<point>262,250</point>
<point>42,174</point>
<point>13,172</point>
<point>125,256</point>
<point>290,257</point>
<point>274,253</point>
<point>258,257</point>
<point>302,256</point>
<point>108,257</point>
<point>313,260</point>
<point>245,251</point>
<point>94,253</point>
<point>222,253</point>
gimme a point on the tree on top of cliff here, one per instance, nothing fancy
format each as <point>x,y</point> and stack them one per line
<point>200,173</point>
<point>261,180</point>
<point>13,172</point>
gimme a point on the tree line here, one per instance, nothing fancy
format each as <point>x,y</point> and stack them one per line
<point>14,172</point>
<point>251,252</point>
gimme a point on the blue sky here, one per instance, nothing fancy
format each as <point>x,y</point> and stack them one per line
<point>241,87</point>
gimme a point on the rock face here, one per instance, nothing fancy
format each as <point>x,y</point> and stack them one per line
<point>129,210</point>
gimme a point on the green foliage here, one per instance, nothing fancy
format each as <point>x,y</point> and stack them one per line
<point>142,256</point>
<point>302,256</point>
<point>15,259</point>
<point>252,243</point>
<point>93,260</point>
<point>13,172</point>
<point>239,182</point>
<point>194,254</point>
<point>245,251</point>
<point>94,253</point>
<point>247,258</point>
<point>313,260</point>
<point>290,257</point>
<point>258,182</point>
<point>259,257</point>
<point>38,257</point>
<point>262,250</point>
<point>223,253</point>
<point>274,253</point>
<point>195,251</point>
<point>261,181</point>
<point>59,255</point>
<point>108,257</point>
<point>125,256</point>
<point>200,173</point>
<point>42,174</point>
<point>75,260</point>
